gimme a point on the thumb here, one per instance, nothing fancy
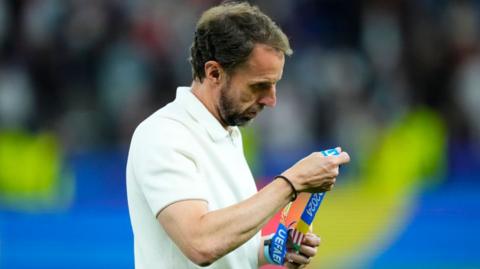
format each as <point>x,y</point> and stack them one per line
<point>343,158</point>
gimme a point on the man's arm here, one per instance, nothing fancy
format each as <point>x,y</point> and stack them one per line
<point>205,236</point>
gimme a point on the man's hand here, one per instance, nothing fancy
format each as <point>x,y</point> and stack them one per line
<point>316,172</point>
<point>307,251</point>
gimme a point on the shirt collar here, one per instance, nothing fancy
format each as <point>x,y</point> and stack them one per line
<point>200,113</point>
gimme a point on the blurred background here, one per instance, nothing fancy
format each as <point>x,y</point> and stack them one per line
<point>395,83</point>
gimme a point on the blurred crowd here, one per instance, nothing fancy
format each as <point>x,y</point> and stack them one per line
<point>90,70</point>
<point>400,76</point>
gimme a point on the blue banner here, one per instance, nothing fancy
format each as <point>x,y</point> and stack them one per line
<point>278,246</point>
<point>312,207</point>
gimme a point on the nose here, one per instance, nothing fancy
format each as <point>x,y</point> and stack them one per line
<point>269,98</point>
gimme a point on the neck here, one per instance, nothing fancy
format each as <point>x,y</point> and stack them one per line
<point>207,97</point>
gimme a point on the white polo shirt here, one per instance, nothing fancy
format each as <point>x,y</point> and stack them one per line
<point>182,152</point>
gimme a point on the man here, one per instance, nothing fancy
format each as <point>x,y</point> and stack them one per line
<point>192,198</point>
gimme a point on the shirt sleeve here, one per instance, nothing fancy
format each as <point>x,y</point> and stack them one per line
<point>164,164</point>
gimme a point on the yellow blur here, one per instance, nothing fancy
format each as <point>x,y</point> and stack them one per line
<point>360,218</point>
<point>30,171</point>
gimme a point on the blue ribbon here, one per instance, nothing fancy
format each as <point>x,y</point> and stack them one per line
<point>278,246</point>
<point>312,207</point>
<point>316,199</point>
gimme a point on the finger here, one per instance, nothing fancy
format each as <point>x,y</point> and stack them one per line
<point>290,265</point>
<point>339,149</point>
<point>330,188</point>
<point>328,185</point>
<point>335,172</point>
<point>297,258</point>
<point>308,251</point>
<point>311,240</point>
<point>327,181</point>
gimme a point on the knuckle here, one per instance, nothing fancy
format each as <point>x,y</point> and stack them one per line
<point>333,163</point>
<point>329,160</point>
<point>330,167</point>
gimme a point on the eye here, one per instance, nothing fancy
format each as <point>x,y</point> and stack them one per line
<point>261,86</point>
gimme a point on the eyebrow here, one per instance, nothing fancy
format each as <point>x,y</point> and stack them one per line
<point>264,81</point>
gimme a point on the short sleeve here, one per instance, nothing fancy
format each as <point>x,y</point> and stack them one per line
<point>164,164</point>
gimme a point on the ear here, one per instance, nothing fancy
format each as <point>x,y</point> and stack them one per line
<point>214,72</point>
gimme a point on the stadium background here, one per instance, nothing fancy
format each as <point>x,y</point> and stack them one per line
<point>395,83</point>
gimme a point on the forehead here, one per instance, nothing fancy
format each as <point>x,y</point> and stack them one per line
<point>264,64</point>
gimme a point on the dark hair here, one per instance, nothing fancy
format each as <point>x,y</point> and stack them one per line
<point>227,33</point>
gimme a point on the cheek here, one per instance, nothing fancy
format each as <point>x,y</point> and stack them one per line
<point>247,97</point>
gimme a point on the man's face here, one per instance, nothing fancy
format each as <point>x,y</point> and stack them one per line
<point>251,86</point>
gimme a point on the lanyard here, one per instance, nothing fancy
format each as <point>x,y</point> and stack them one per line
<point>278,245</point>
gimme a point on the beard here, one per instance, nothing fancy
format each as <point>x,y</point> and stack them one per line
<point>231,112</point>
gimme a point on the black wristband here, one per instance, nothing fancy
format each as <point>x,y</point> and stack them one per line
<point>295,193</point>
